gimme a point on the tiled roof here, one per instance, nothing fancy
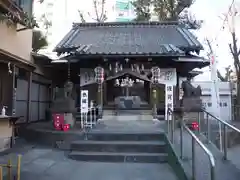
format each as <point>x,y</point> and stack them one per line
<point>129,38</point>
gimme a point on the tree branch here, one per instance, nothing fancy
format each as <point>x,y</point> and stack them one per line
<point>81,16</point>
<point>102,10</point>
<point>220,76</point>
<point>96,10</point>
<point>231,49</point>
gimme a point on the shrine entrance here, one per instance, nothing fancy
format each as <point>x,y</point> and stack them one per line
<point>128,91</point>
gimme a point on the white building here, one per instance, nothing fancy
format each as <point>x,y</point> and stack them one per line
<point>225,93</point>
<point>124,10</point>
<point>59,14</point>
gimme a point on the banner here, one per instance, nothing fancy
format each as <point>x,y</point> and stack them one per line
<point>84,101</point>
<point>168,99</point>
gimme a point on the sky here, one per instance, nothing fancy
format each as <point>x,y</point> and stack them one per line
<point>210,11</point>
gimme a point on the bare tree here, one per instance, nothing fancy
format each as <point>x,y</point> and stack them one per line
<point>234,47</point>
<point>100,14</point>
<point>81,16</point>
<point>227,76</point>
<point>47,24</point>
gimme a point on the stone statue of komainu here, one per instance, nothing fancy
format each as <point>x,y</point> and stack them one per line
<point>69,91</point>
<point>64,98</point>
<point>191,100</point>
<point>189,90</point>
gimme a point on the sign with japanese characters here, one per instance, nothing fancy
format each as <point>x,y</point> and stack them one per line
<point>84,101</point>
<point>99,75</point>
<point>168,76</point>
<point>168,99</point>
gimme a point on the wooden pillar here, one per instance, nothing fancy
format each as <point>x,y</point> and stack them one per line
<point>29,97</point>
<point>100,94</point>
<point>177,100</point>
<point>14,93</point>
<point>105,92</point>
<point>154,99</point>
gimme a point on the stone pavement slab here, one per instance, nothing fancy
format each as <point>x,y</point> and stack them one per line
<point>40,163</point>
<point>126,124</point>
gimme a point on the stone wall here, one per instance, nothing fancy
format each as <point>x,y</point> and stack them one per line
<point>5,135</point>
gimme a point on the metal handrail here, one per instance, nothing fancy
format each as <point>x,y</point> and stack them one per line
<point>194,139</point>
<point>225,124</point>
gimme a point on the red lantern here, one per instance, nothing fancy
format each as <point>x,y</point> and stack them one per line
<point>66,127</point>
<point>58,120</point>
<point>195,126</point>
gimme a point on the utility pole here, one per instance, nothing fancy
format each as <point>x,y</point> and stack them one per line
<point>215,90</point>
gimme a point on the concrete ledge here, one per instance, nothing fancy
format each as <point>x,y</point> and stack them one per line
<point>44,135</point>
<point>175,162</point>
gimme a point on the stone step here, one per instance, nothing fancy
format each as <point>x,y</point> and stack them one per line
<point>119,146</point>
<point>123,136</point>
<point>119,157</point>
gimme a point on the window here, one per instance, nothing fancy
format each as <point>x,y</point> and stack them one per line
<point>225,104</point>
<point>49,15</point>
<point>49,5</point>
<point>26,5</point>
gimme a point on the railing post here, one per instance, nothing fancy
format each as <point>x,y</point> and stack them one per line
<point>199,122</point>
<point>208,129</point>
<point>193,160</point>
<point>212,172</point>
<point>1,173</point>
<point>172,128</point>
<point>181,138</point>
<point>9,171</point>
<point>168,123</point>
<point>225,144</point>
<point>19,167</point>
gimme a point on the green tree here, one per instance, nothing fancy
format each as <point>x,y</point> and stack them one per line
<point>170,9</point>
<point>166,10</point>
<point>142,9</point>
<point>47,24</point>
<point>39,41</point>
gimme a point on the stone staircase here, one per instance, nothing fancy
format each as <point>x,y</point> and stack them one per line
<point>120,147</point>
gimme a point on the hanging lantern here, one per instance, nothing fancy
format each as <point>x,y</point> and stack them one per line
<point>132,67</point>
<point>117,82</point>
<point>85,77</point>
<point>121,67</point>
<point>116,67</point>
<point>155,75</point>
<point>110,67</point>
<point>99,75</point>
<point>137,68</point>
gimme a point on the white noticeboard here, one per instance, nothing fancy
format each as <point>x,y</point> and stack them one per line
<point>84,101</point>
<point>168,99</point>
<point>168,76</point>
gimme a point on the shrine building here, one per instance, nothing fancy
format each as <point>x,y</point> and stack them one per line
<point>131,55</point>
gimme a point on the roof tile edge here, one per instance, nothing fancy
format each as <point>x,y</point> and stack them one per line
<point>151,23</point>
